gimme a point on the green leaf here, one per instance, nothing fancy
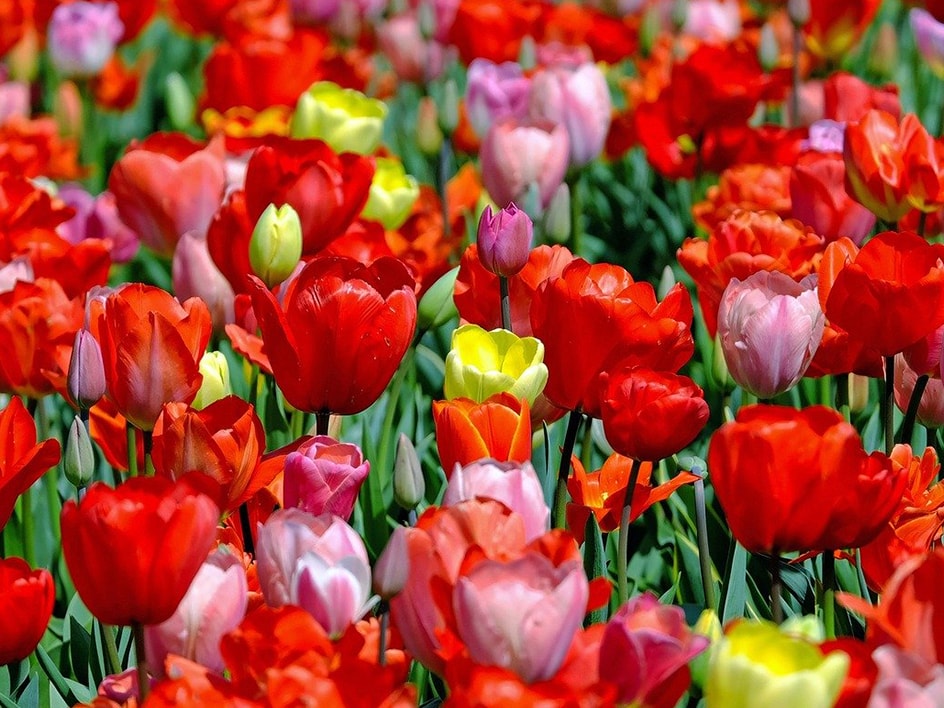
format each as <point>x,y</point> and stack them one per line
<point>594,563</point>
<point>734,599</point>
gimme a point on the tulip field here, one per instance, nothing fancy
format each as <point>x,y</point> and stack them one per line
<point>471,353</point>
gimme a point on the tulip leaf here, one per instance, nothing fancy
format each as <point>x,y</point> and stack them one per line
<point>688,551</point>
<point>594,563</point>
<point>80,642</point>
<point>6,702</point>
<point>734,599</point>
<point>29,698</point>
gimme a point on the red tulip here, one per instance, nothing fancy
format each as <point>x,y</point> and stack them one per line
<point>339,334</point>
<point>819,199</point>
<point>799,480</point>
<point>26,600</point>
<point>22,461</point>
<point>133,551</point>
<point>833,28</point>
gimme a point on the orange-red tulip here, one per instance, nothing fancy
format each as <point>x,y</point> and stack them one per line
<point>26,600</point>
<point>834,28</point>
<point>22,461</point>
<point>133,551</point>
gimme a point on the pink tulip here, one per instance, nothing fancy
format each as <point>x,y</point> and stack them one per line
<point>19,269</point>
<point>306,12</point>
<point>906,680</point>
<point>521,615</point>
<point>412,56</point>
<point>195,274</point>
<point>392,569</point>
<point>924,356</point>
<point>645,651</point>
<point>81,37</point>
<point>514,484</point>
<point>504,240</point>
<point>291,533</point>
<point>495,92</point>
<point>579,99</point>
<point>214,605</point>
<point>96,217</point>
<point>324,476</point>
<point>14,99</point>
<point>336,593</point>
<point>818,198</point>
<point>770,327</point>
<point>931,408</point>
<point>162,194</point>
<point>713,20</point>
<point>929,36</point>
<point>517,154</point>
<point>85,381</point>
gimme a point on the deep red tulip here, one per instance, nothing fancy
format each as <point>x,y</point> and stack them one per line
<point>133,551</point>
<point>26,600</point>
<point>22,461</point>
<point>339,333</point>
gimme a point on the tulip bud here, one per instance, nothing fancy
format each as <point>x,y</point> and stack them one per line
<point>426,18</point>
<point>449,109</point>
<point>429,135</point>
<point>719,367</point>
<point>409,485</point>
<point>557,216</point>
<point>393,567</point>
<point>78,458</point>
<point>179,101</point>
<point>929,38</point>
<point>504,240</point>
<point>67,110</point>
<point>437,306</point>
<point>679,14</point>
<point>86,379</point>
<point>768,50</point>
<point>215,370</point>
<point>392,194</point>
<point>527,55</point>
<point>798,11</point>
<point>858,392</point>
<point>276,244</point>
<point>666,282</point>
<point>649,29</point>
<point>708,626</point>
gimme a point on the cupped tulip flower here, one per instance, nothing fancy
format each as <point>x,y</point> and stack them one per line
<point>905,679</point>
<point>579,99</point>
<point>26,600</point>
<point>96,217</point>
<point>214,606</point>
<point>645,652</point>
<point>819,199</point>
<point>929,36</point>
<point>832,29</point>
<point>466,431</point>
<point>335,592</point>
<point>494,92</point>
<point>324,475</point>
<point>413,57</point>
<point>648,415</point>
<point>769,327</point>
<point>481,364</point>
<point>517,153</point>
<point>194,274</point>
<point>346,119</point>
<point>522,614</point>
<point>133,551</point>
<point>931,408</point>
<point>22,460</point>
<point>800,480</point>
<point>514,484</point>
<point>757,664</point>
<point>392,194</point>
<point>168,185</point>
<point>504,240</point>
<point>287,536</point>
<point>151,349</point>
<point>331,305</point>
<point>82,36</point>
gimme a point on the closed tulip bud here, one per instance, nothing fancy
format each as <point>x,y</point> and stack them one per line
<point>86,379</point>
<point>215,370</point>
<point>437,306</point>
<point>858,392</point>
<point>709,627</point>
<point>449,108</point>
<point>666,282</point>
<point>504,240</point>
<point>929,36</point>
<point>649,29</point>
<point>679,14</point>
<point>194,274</point>
<point>768,50</point>
<point>392,194</point>
<point>347,120</point>
<point>429,136</point>
<point>409,485</point>
<point>557,224</point>
<point>393,567</point>
<point>78,458</point>
<point>276,244</point>
<point>179,101</point>
<point>798,11</point>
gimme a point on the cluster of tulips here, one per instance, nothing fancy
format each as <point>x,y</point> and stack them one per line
<point>471,352</point>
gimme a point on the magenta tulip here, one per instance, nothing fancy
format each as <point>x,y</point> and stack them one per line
<point>495,92</point>
<point>504,240</point>
<point>324,476</point>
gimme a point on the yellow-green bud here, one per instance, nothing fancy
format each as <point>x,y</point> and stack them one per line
<point>409,486</point>
<point>78,458</point>
<point>276,244</point>
<point>392,194</point>
<point>557,215</point>
<point>181,107</point>
<point>216,385</point>
<point>437,306</point>
<point>429,136</point>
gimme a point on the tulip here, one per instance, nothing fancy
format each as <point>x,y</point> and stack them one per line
<point>847,98</point>
<point>96,218</point>
<point>514,484</point>
<point>495,92</point>
<point>276,244</point>
<point>78,457</point>
<point>347,120</point>
<point>832,29</point>
<point>518,153</point>
<point>82,36</point>
<point>392,194</point>
<point>579,99</point>
<point>645,652</point>
<point>86,379</point>
<point>324,476</point>
<point>409,485</point>
<point>215,371</point>
<point>332,304</point>
<point>26,600</point>
<point>792,480</point>
<point>521,615</point>
<point>22,461</point>
<point>756,664</point>
<point>336,594</point>
<point>818,198</point>
<point>504,240</point>
<point>481,364</point>
<point>213,606</point>
<point>393,566</point>
<point>931,407</point>
<point>194,274</point>
<point>466,431</point>
<point>905,678</point>
<point>14,100</point>
<point>929,36</point>
<point>133,551</point>
<point>770,327</point>
<point>412,56</point>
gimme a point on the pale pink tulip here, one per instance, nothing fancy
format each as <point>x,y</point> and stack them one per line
<point>521,615</point>
<point>412,56</point>
<point>195,274</point>
<point>214,605</point>
<point>96,217</point>
<point>82,36</point>
<point>495,92</point>
<point>324,476</point>
<point>514,484</point>
<point>291,533</point>
<point>929,36</point>
<point>645,651</point>
<point>392,569</point>
<point>906,680</point>
<point>713,20</point>
<point>19,269</point>
<point>517,154</point>
<point>336,593</point>
<point>14,99</point>
<point>770,327</point>
<point>931,408</point>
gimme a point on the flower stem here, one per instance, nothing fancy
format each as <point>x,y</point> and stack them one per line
<point>576,227</point>
<point>776,589</point>
<point>132,450</point>
<point>111,649</point>
<point>622,557</point>
<point>704,554</point>
<point>829,593</point>
<point>29,528</point>
<point>907,425</point>
<point>563,471</point>
<point>888,413</point>
<point>505,303</point>
<point>140,654</point>
<point>382,642</point>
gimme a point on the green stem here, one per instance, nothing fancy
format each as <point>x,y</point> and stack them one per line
<point>622,556</point>
<point>140,654</point>
<point>907,425</point>
<point>576,227</point>
<point>51,478</point>
<point>505,303</point>
<point>382,642</point>
<point>586,445</point>
<point>704,554</point>
<point>842,396</point>
<point>826,391</point>
<point>922,223</point>
<point>563,471</point>
<point>443,174</point>
<point>829,593</point>
<point>111,649</point>
<point>29,528</point>
<point>776,589</point>
<point>888,411</point>
<point>132,450</point>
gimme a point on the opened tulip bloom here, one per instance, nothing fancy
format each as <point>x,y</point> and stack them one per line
<point>324,475</point>
<point>26,600</point>
<point>345,119</point>
<point>22,461</point>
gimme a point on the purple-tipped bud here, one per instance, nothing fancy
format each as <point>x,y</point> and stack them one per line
<point>86,381</point>
<point>504,240</point>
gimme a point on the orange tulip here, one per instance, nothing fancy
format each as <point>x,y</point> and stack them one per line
<point>151,349</point>
<point>22,461</point>
<point>466,431</point>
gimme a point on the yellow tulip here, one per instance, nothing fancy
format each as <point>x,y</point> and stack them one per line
<point>392,194</point>
<point>215,370</point>
<point>346,119</point>
<point>481,364</point>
